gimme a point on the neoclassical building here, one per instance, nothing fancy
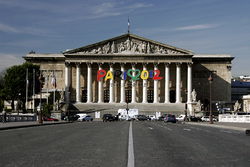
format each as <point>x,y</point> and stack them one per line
<point>146,74</point>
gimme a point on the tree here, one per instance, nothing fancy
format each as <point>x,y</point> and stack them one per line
<point>14,87</point>
<point>1,91</point>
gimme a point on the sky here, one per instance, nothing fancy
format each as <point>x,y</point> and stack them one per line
<point>53,26</point>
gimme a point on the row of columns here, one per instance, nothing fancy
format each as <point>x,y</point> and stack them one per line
<point>122,93</point>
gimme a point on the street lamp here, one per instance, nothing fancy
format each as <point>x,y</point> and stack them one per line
<point>41,80</point>
<point>127,106</point>
<point>210,79</point>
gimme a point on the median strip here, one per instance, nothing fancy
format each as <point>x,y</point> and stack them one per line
<point>131,161</point>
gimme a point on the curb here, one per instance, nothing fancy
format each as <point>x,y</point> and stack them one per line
<point>218,126</point>
<point>32,125</point>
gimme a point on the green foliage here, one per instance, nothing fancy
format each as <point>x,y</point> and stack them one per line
<point>47,108</point>
<point>14,86</point>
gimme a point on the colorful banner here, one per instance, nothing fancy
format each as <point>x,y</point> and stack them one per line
<point>145,74</point>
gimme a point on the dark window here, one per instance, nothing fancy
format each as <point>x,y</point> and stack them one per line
<point>128,96</point>
<point>150,96</point>
<point>84,96</point>
<point>106,96</point>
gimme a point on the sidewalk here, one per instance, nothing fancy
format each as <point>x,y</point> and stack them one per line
<point>15,125</point>
<point>224,125</point>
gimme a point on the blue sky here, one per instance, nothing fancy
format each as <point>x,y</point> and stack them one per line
<point>52,26</point>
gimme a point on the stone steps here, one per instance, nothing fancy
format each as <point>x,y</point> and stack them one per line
<point>143,108</point>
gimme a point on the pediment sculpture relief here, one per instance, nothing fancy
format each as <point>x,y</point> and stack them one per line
<point>129,46</point>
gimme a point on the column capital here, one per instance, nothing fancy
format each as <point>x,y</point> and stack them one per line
<point>178,64</point>
<point>67,64</point>
<point>167,64</point>
<point>133,64</point>
<point>100,63</point>
<point>89,64</point>
<point>78,64</point>
<point>190,63</point>
<point>111,64</point>
<point>156,64</point>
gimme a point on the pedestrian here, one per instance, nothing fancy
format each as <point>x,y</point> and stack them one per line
<point>3,116</point>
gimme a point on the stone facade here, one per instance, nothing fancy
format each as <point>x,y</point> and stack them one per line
<point>182,70</point>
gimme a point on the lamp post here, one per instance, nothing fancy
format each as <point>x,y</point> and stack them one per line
<point>40,119</point>
<point>210,79</point>
<point>127,106</point>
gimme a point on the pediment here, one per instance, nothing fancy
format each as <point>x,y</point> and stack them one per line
<point>128,44</point>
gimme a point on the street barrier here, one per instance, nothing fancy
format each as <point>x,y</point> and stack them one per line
<point>19,118</point>
<point>234,118</point>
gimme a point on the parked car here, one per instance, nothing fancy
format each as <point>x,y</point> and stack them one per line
<point>207,119</point>
<point>49,119</point>
<point>161,118</point>
<point>81,116</point>
<point>152,117</point>
<point>71,118</point>
<point>108,117</point>
<point>142,117</point>
<point>87,118</point>
<point>194,119</point>
<point>181,117</point>
<point>170,118</point>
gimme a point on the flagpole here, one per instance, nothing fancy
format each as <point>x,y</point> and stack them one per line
<point>27,87</point>
<point>128,26</point>
<point>34,82</point>
<point>54,98</point>
<point>47,82</point>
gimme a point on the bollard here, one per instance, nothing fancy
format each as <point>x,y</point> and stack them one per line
<point>248,132</point>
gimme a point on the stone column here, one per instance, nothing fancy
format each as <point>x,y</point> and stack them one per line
<point>67,82</point>
<point>166,82</point>
<point>78,84</point>
<point>122,85</point>
<point>178,83</point>
<point>89,84</point>
<point>156,87</point>
<point>189,82</point>
<point>100,88</point>
<point>133,100</point>
<point>111,86</point>
<point>145,87</point>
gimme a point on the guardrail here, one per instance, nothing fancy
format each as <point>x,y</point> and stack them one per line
<point>19,118</point>
<point>234,118</point>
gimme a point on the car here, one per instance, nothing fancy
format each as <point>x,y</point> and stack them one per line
<point>87,118</point>
<point>81,116</point>
<point>108,117</point>
<point>161,118</point>
<point>49,119</point>
<point>205,119</point>
<point>71,117</point>
<point>142,117</point>
<point>181,117</point>
<point>152,117</point>
<point>170,118</point>
<point>194,119</point>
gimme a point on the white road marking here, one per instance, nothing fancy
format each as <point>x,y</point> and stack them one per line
<point>151,128</point>
<point>187,129</point>
<point>225,131</point>
<point>131,159</point>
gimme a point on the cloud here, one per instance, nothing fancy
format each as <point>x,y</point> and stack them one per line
<point>7,28</point>
<point>8,60</point>
<point>196,27</point>
<point>105,9</point>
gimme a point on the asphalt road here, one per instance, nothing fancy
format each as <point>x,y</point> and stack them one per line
<point>101,144</point>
